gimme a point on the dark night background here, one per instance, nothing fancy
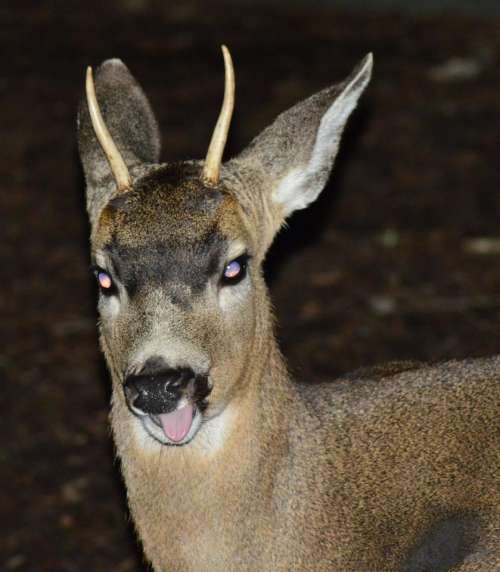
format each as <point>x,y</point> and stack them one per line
<point>398,259</point>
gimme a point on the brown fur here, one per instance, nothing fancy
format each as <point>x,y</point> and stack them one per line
<point>395,469</point>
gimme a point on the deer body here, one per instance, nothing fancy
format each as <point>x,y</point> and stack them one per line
<point>228,463</point>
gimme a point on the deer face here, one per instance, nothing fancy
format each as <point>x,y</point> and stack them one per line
<point>175,268</point>
<point>177,250</point>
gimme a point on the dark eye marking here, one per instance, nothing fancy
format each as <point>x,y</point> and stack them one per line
<point>104,281</point>
<point>235,271</point>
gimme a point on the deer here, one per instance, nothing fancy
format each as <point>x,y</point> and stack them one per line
<point>229,463</point>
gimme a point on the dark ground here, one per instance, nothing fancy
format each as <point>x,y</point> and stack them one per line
<point>387,265</point>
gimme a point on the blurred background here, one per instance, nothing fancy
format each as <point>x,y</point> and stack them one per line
<point>399,258</point>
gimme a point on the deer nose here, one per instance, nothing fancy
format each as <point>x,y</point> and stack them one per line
<point>159,392</point>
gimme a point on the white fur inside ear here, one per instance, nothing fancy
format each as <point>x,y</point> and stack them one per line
<point>302,185</point>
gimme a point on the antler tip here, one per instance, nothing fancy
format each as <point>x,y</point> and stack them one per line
<point>89,78</point>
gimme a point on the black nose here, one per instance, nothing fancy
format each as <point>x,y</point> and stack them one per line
<point>158,392</point>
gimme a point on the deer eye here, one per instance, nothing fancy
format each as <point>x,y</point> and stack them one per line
<point>235,271</point>
<point>104,281</point>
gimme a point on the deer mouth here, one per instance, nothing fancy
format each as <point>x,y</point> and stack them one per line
<point>175,428</point>
<point>177,424</point>
<point>170,411</point>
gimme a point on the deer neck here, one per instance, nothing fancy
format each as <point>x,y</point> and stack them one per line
<point>205,487</point>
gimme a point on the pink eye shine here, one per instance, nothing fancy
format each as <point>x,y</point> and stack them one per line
<point>104,280</point>
<point>232,269</point>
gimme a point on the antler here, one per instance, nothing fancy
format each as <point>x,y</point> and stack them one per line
<point>211,169</point>
<point>116,162</point>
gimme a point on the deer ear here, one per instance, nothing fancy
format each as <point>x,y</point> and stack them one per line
<point>130,121</point>
<point>296,153</point>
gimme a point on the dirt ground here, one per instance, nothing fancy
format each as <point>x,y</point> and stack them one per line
<point>398,259</point>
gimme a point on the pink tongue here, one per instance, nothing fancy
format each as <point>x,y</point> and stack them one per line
<point>176,425</point>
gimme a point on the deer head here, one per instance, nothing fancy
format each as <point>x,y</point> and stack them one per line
<point>177,248</point>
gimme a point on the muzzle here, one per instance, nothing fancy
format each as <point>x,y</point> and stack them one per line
<point>160,392</point>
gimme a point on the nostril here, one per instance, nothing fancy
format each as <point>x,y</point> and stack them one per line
<point>131,393</point>
<point>174,384</point>
<point>130,390</point>
<point>177,378</point>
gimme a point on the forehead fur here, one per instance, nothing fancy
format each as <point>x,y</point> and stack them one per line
<point>169,205</point>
